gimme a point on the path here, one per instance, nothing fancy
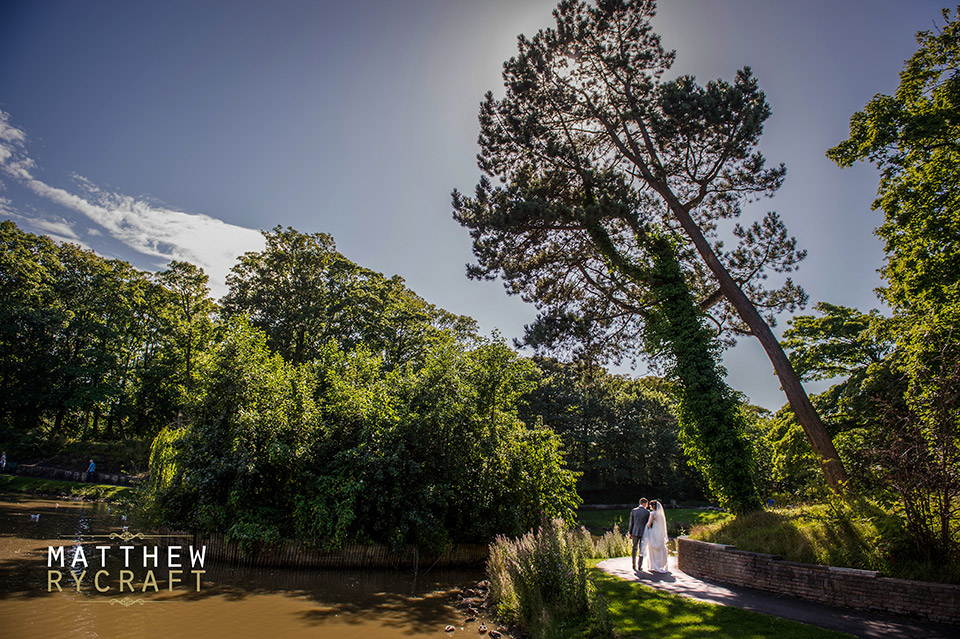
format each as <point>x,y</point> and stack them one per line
<point>840,619</point>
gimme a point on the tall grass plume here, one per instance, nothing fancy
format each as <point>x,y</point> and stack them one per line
<point>540,582</point>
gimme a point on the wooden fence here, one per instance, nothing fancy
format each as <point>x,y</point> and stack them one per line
<point>292,554</point>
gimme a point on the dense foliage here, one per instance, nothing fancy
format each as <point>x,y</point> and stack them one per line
<point>91,347</point>
<point>913,137</point>
<point>894,423</point>
<point>278,422</point>
<point>341,449</point>
<point>336,405</point>
<point>712,425</point>
<point>303,293</point>
<point>619,433</point>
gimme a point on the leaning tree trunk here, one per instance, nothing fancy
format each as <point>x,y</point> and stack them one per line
<point>711,426</point>
<point>806,414</point>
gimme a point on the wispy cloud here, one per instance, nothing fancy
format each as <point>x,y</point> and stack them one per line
<point>153,230</point>
<point>60,230</point>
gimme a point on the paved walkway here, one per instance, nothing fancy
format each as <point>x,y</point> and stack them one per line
<point>841,619</point>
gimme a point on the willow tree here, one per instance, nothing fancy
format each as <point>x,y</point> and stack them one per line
<point>593,150</point>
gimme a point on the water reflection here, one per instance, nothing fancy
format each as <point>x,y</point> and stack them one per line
<point>241,602</point>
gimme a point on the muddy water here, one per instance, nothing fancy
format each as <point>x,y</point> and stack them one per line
<point>232,602</point>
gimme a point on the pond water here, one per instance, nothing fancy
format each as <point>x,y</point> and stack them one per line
<point>232,602</point>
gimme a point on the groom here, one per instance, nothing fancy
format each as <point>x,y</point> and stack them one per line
<point>638,521</point>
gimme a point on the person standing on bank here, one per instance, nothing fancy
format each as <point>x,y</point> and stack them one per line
<point>92,467</point>
<point>655,539</point>
<point>638,524</point>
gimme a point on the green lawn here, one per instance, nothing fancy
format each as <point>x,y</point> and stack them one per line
<point>640,611</point>
<point>40,486</point>
<point>678,519</point>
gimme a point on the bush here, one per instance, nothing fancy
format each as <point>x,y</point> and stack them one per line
<point>540,582</point>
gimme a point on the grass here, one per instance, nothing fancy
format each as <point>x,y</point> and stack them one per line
<point>37,486</point>
<point>640,611</point>
<point>861,536</point>
<point>679,520</point>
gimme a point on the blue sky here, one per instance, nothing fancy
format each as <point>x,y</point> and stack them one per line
<point>179,129</point>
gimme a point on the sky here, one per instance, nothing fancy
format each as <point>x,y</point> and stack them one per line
<point>180,129</point>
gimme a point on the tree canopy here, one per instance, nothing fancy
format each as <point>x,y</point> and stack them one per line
<point>341,449</point>
<point>91,346</point>
<point>303,293</point>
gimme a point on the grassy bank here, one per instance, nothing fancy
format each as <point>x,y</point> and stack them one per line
<point>862,536</point>
<point>54,488</point>
<point>129,456</point>
<point>640,611</point>
<point>547,582</point>
<point>679,520</point>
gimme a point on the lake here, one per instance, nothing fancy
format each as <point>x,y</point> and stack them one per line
<point>232,602</point>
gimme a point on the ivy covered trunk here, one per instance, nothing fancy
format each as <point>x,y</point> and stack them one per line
<point>711,424</point>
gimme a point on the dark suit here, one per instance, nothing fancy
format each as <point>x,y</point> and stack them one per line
<point>638,521</point>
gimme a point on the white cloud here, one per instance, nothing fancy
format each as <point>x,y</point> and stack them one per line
<point>57,229</point>
<point>146,227</point>
<point>10,133</point>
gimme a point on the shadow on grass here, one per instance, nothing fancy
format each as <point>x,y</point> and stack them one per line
<point>641,611</point>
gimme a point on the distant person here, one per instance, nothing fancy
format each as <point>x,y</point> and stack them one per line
<point>655,539</point>
<point>3,462</point>
<point>92,467</point>
<point>638,522</point>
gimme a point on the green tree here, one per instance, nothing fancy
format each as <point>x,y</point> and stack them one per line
<point>619,433</point>
<point>841,342</point>
<point>341,449</point>
<point>593,149</point>
<point>854,349</point>
<point>303,293</point>
<point>913,137</point>
<point>192,321</point>
<point>83,340</point>
<point>30,318</point>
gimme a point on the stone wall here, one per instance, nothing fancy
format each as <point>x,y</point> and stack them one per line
<point>845,587</point>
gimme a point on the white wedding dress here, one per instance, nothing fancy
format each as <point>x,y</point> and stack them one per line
<point>655,542</point>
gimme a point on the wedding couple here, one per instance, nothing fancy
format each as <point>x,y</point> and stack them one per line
<point>648,527</point>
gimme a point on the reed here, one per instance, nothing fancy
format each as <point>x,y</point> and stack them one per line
<point>540,582</point>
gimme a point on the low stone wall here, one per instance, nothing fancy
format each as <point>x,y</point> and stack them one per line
<point>290,554</point>
<point>845,587</point>
<point>72,475</point>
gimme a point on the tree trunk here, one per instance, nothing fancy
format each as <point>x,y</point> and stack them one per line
<point>806,414</point>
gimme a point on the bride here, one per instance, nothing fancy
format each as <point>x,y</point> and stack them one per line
<point>655,539</point>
